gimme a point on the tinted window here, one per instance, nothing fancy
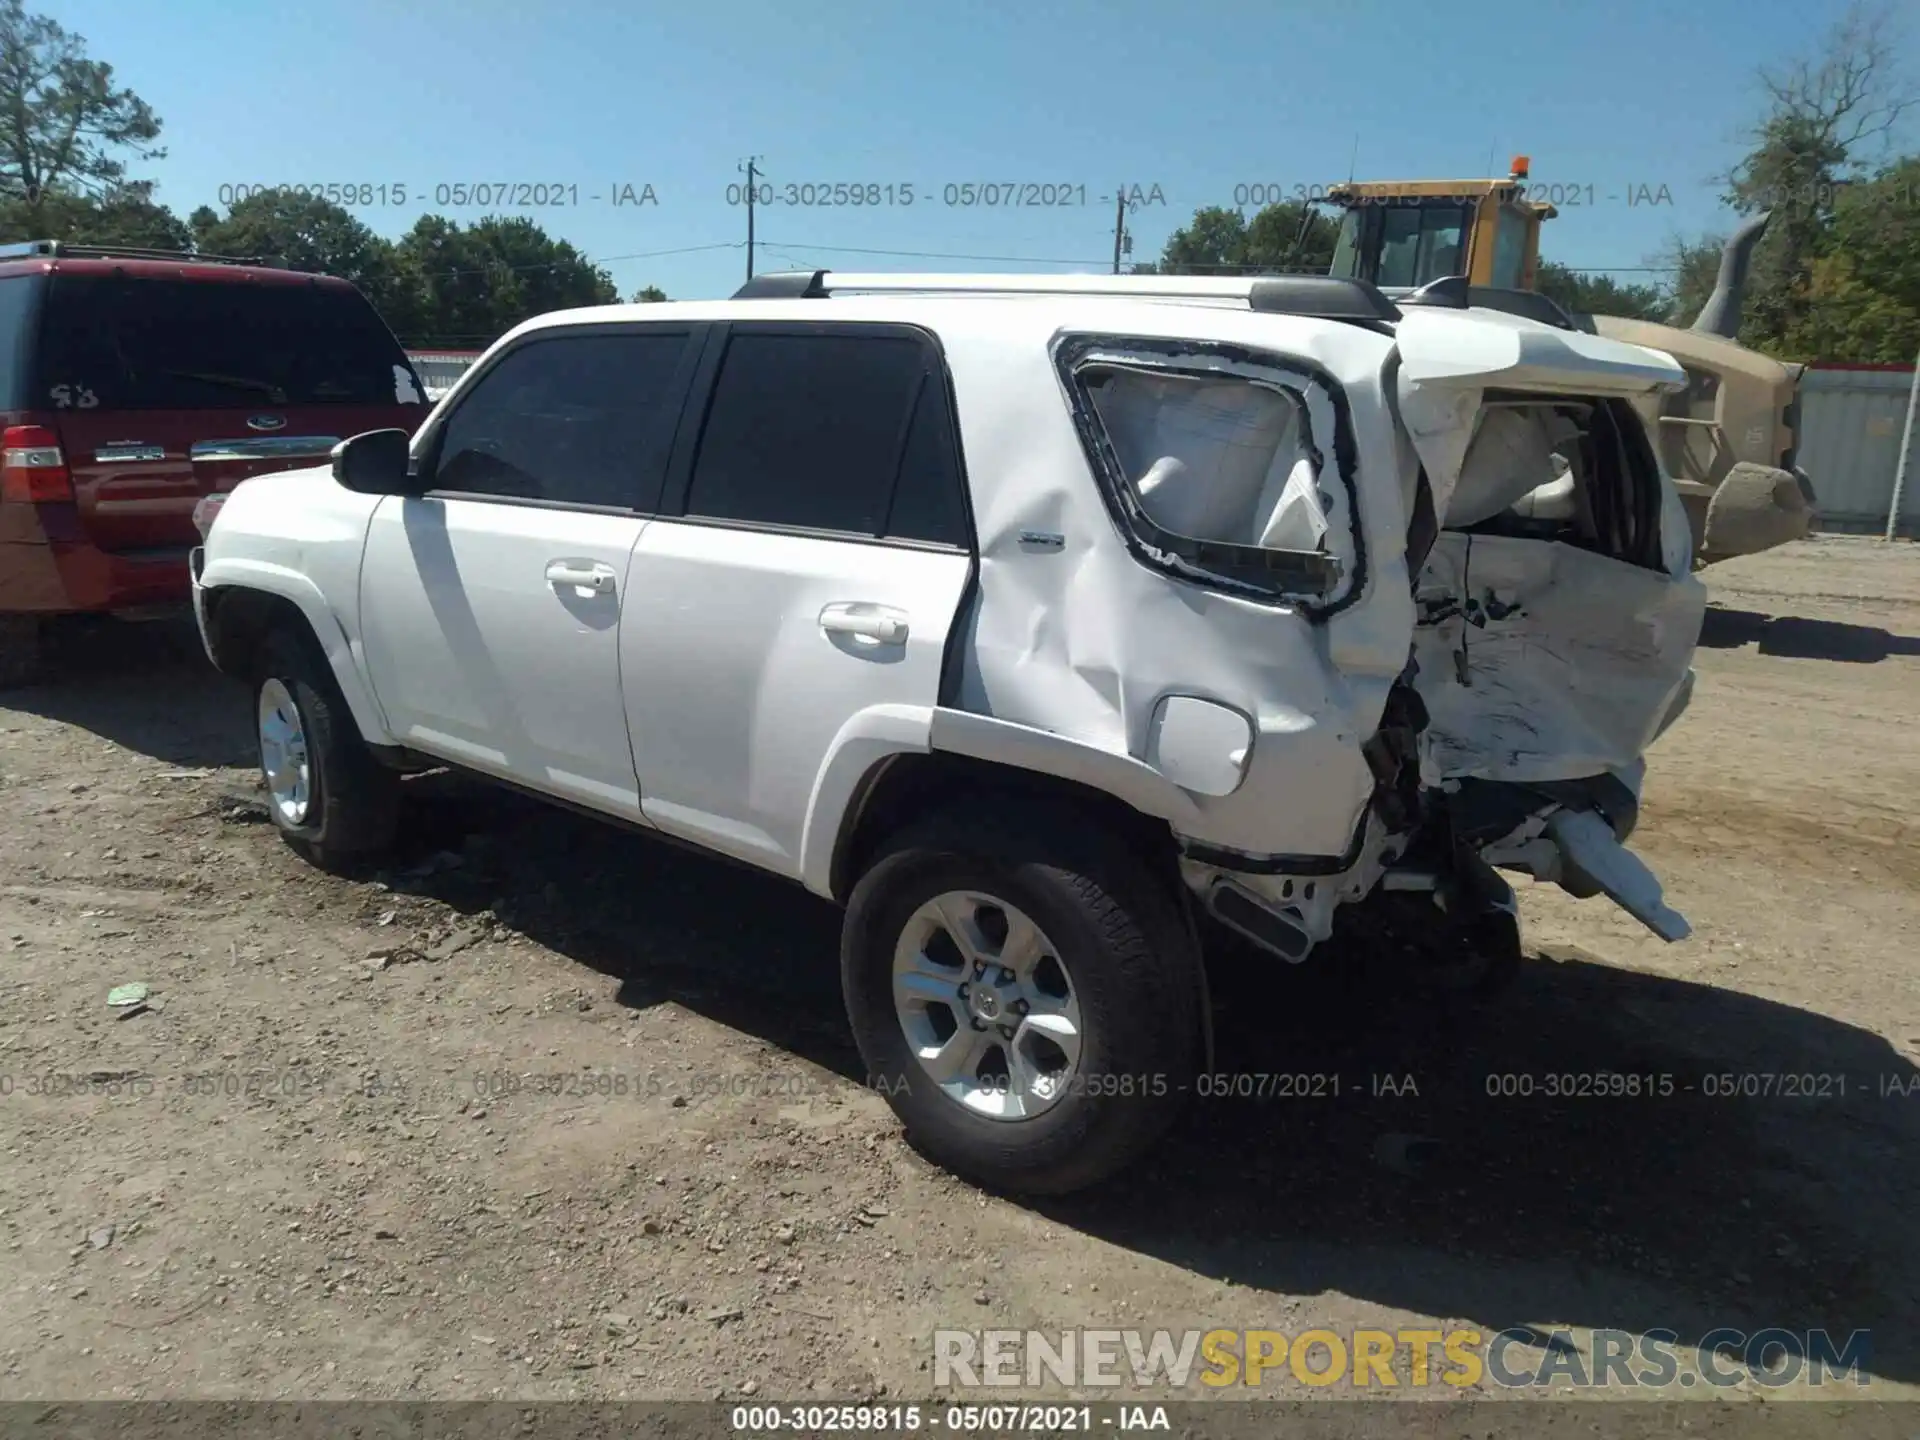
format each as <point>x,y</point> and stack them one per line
<point>807,430</point>
<point>580,419</point>
<point>16,340</point>
<point>228,344</point>
<point>928,499</point>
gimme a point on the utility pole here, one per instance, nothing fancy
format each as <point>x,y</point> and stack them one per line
<point>1906,454</point>
<point>1119,227</point>
<point>753,188</point>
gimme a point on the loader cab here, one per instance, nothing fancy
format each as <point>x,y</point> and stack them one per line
<point>1405,234</point>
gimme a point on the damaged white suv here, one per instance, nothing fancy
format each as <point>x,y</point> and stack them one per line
<point>1023,616</point>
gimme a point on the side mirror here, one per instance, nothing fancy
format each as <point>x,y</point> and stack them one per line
<point>374,463</point>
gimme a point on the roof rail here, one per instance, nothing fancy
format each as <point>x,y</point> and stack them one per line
<point>27,249</point>
<point>1452,292</point>
<point>784,285</point>
<point>1315,296</point>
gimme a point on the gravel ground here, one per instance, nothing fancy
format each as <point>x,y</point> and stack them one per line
<point>548,1110</point>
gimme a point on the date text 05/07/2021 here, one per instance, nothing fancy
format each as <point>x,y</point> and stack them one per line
<point>953,194</point>
<point>453,194</point>
<point>1257,194</point>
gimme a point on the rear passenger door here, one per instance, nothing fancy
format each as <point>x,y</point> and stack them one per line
<point>812,552</point>
<point>491,605</point>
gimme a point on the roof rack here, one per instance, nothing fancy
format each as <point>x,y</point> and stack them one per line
<point>1316,296</point>
<point>53,249</point>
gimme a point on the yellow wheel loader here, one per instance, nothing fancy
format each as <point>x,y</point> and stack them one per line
<point>1728,439</point>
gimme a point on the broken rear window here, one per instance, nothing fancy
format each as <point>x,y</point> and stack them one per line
<point>1221,467</point>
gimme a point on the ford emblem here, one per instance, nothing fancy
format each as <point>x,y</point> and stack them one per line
<point>266,422</point>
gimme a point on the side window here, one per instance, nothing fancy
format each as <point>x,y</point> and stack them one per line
<point>929,500</point>
<point>813,431</point>
<point>578,419</point>
<point>1239,478</point>
<point>1509,247</point>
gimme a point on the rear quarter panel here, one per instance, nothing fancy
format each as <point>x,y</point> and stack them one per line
<point>1083,641</point>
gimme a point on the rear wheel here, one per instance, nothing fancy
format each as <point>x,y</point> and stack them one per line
<point>21,649</point>
<point>326,793</point>
<point>1027,996</point>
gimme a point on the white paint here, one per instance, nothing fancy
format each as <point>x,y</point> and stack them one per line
<point>736,687</point>
<point>1586,842</point>
<point>739,698</point>
<point>1199,745</point>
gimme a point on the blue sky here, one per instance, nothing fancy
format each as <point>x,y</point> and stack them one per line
<point>1614,98</point>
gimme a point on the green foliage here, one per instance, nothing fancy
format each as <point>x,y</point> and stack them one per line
<point>1219,241</point>
<point>304,232</point>
<point>1586,294</point>
<point>470,285</point>
<point>649,295</point>
<point>126,216</point>
<point>64,128</point>
<point>1862,294</point>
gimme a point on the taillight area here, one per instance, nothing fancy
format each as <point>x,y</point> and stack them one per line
<point>32,469</point>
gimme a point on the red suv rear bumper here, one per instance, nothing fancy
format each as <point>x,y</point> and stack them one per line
<point>53,577</point>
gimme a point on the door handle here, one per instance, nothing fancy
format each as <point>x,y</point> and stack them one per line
<point>582,575</point>
<point>881,623</point>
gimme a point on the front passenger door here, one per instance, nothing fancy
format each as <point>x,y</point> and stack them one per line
<point>491,605</point>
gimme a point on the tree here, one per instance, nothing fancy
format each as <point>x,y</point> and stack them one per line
<point>1820,113</point>
<point>1863,292</point>
<point>649,295</point>
<point>307,232</point>
<point>64,128</point>
<point>128,216</point>
<point>473,284</point>
<point>1588,294</point>
<point>1219,241</point>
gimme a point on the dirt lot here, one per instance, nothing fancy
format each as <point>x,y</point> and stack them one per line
<point>310,1182</point>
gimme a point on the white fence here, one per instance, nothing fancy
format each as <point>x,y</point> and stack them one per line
<point>1851,425</point>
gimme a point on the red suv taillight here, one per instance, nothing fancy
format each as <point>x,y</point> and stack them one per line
<point>32,469</point>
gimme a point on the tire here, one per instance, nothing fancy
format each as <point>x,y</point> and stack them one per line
<point>1125,955</point>
<point>21,650</point>
<point>348,810</point>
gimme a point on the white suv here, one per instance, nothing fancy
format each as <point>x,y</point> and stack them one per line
<point>1026,617</point>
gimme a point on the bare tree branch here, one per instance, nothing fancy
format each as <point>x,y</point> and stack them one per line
<point>1855,90</point>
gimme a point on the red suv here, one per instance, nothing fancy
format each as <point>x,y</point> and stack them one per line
<point>133,384</point>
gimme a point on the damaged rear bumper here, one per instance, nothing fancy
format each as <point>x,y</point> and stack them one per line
<point>1570,833</point>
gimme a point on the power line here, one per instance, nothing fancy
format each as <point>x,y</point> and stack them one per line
<point>789,247</point>
<point>929,254</point>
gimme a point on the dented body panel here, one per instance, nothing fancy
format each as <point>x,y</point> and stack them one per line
<point>1542,662</point>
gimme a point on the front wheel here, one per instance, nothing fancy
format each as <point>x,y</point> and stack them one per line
<point>327,794</point>
<point>1028,998</point>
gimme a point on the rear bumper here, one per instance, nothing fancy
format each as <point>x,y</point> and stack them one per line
<point>55,577</point>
